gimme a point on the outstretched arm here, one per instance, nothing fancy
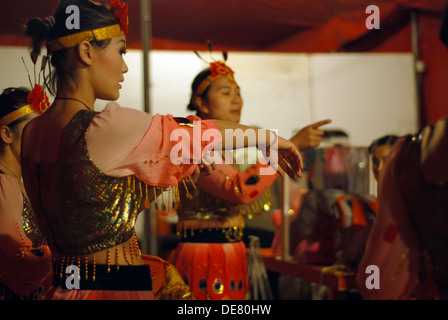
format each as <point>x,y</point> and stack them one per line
<point>235,136</point>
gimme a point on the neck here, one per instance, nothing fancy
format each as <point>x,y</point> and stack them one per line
<point>80,93</point>
<point>203,116</point>
<point>9,164</point>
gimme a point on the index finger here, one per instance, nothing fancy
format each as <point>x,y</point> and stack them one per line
<point>320,123</point>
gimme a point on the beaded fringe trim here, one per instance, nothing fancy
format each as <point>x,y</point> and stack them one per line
<point>83,261</point>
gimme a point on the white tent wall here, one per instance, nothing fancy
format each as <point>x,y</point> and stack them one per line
<point>367,95</point>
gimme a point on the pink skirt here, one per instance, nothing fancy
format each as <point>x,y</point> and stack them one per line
<point>66,294</point>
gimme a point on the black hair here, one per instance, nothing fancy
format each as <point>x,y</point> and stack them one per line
<point>388,140</point>
<point>92,16</point>
<point>334,133</point>
<point>200,77</point>
<point>12,99</point>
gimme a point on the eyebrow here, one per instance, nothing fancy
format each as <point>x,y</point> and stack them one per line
<point>227,87</point>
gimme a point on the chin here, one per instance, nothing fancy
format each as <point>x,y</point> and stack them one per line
<point>110,97</point>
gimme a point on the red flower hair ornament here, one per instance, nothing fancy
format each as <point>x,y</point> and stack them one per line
<point>38,99</point>
<point>120,10</point>
<point>219,68</point>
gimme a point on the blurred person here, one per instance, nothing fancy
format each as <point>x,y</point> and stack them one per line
<point>25,259</point>
<point>379,149</point>
<point>408,245</point>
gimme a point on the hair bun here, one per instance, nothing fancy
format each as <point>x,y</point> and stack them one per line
<point>35,27</point>
<point>191,106</point>
<point>37,30</point>
<point>50,22</point>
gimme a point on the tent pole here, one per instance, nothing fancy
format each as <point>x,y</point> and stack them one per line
<point>145,19</point>
<point>150,242</point>
<point>286,206</point>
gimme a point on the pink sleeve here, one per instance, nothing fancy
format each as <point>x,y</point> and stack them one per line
<point>235,186</point>
<point>157,149</point>
<point>21,269</point>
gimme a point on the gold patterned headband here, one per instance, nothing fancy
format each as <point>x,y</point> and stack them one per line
<point>73,40</point>
<point>15,115</point>
<point>37,102</point>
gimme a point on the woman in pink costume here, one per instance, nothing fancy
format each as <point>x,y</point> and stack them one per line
<point>89,174</point>
<point>25,259</point>
<point>407,250</point>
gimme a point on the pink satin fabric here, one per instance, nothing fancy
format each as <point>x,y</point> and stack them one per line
<point>21,270</point>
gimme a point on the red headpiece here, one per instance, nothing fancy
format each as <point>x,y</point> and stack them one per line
<point>120,10</point>
<point>217,69</point>
<point>38,99</point>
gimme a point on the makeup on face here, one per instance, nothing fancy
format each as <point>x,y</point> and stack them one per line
<point>224,100</point>
<point>111,69</point>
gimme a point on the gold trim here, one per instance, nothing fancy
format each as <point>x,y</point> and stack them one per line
<point>73,40</point>
<point>204,84</point>
<point>15,115</point>
<point>207,81</point>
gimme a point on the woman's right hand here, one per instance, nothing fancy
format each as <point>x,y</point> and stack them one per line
<point>288,158</point>
<point>201,170</point>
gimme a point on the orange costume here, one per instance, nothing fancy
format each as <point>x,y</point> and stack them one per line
<point>211,256</point>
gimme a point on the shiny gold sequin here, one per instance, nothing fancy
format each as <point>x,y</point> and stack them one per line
<point>95,211</point>
<point>218,286</point>
<point>30,225</point>
<point>72,40</point>
<point>13,116</point>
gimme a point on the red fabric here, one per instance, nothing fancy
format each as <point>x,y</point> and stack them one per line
<point>201,264</point>
<point>283,25</point>
<point>359,219</point>
<point>120,10</point>
<point>279,26</point>
<point>217,277</point>
<point>435,79</point>
<point>233,184</point>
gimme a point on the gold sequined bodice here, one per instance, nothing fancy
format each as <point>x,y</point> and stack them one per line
<point>30,225</point>
<point>202,206</point>
<point>82,210</point>
<point>202,211</point>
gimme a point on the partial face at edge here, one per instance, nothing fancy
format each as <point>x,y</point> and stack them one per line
<point>379,156</point>
<point>110,68</point>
